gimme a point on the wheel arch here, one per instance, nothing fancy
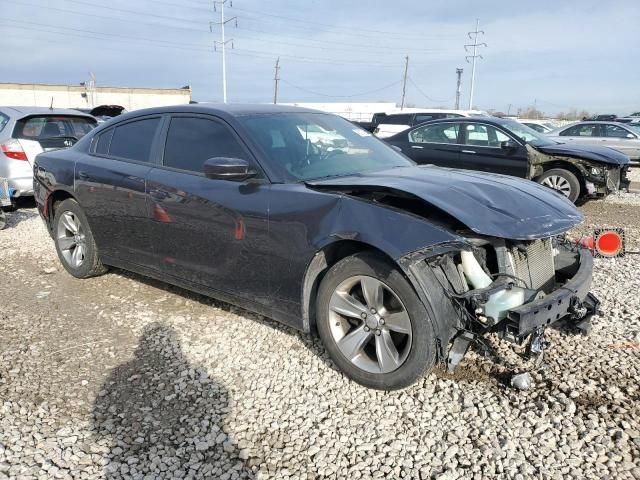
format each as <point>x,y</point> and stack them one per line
<point>324,259</point>
<point>569,166</point>
<point>53,199</point>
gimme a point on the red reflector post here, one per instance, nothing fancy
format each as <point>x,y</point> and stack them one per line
<point>609,242</point>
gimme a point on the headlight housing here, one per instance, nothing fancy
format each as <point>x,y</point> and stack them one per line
<point>596,171</point>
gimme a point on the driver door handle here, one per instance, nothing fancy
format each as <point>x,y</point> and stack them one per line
<point>83,175</point>
<point>417,147</point>
<point>469,151</point>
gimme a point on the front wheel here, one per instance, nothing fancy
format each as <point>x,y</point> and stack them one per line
<point>563,181</point>
<point>373,325</point>
<point>76,248</point>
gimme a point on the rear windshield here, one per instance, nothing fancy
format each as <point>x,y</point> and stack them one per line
<point>53,126</point>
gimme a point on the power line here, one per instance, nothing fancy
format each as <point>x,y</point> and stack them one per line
<point>341,96</point>
<point>425,95</point>
<point>330,26</point>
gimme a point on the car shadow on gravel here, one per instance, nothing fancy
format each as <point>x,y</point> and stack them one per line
<point>14,217</point>
<point>161,416</point>
<point>310,341</point>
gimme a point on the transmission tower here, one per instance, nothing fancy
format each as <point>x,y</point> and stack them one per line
<point>223,42</point>
<point>474,36</point>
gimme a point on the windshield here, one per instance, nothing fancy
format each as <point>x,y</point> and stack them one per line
<point>526,134</point>
<point>309,146</point>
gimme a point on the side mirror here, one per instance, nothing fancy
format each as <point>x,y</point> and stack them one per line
<point>509,145</point>
<point>232,169</point>
<point>630,135</point>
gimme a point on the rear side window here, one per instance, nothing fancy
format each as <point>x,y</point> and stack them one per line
<point>191,141</point>
<point>53,126</point>
<point>403,119</point>
<point>588,130</point>
<point>104,140</point>
<point>440,133</point>
<point>3,121</point>
<point>134,140</point>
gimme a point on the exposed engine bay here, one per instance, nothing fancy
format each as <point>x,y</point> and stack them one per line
<point>513,288</point>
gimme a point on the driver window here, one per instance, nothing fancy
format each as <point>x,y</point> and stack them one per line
<point>192,140</point>
<point>441,133</point>
<point>615,131</point>
<point>484,136</point>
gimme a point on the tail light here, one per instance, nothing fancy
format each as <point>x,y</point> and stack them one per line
<point>13,149</point>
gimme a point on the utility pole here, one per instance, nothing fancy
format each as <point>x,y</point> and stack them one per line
<point>276,78</point>
<point>458,87</point>
<point>223,42</point>
<point>474,36</point>
<point>404,81</point>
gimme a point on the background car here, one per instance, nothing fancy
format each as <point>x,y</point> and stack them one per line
<point>508,147</point>
<point>622,137</point>
<point>398,122</point>
<point>234,202</point>
<point>27,131</point>
<point>538,127</point>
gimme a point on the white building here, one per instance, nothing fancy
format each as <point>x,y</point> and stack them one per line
<point>356,111</point>
<point>80,96</point>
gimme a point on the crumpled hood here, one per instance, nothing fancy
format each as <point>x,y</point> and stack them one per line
<point>588,152</point>
<point>489,204</point>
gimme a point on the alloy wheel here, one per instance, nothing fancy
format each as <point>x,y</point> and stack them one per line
<point>558,183</point>
<point>71,239</point>
<point>370,325</point>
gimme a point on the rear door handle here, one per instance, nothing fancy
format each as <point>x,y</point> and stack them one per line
<point>83,175</point>
<point>469,151</point>
<point>417,147</point>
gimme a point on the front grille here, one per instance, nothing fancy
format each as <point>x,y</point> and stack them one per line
<point>533,263</point>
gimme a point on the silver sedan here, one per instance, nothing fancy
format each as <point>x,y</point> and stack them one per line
<point>622,137</point>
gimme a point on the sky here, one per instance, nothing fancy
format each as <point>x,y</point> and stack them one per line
<point>555,55</point>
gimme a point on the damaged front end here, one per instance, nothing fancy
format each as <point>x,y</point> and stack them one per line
<point>512,288</point>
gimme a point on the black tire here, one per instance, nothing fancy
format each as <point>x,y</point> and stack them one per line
<point>91,266</point>
<point>422,352</point>
<point>569,177</point>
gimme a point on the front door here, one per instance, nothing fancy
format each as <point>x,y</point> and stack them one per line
<point>618,137</point>
<point>484,149</point>
<point>208,232</point>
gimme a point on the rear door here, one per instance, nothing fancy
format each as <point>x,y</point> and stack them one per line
<point>483,150</point>
<point>209,232</point>
<point>110,184</point>
<point>435,143</point>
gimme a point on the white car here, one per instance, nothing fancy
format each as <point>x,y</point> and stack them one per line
<point>27,131</point>
<point>398,122</point>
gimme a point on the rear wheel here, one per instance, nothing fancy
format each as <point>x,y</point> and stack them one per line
<point>373,324</point>
<point>563,181</point>
<point>76,248</point>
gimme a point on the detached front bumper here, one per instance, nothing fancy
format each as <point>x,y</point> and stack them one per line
<point>569,300</point>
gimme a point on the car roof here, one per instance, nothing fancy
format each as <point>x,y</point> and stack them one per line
<point>222,109</point>
<point>18,112</point>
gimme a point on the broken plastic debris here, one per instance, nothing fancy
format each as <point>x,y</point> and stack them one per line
<point>522,381</point>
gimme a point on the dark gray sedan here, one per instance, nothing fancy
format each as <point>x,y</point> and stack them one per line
<point>396,266</point>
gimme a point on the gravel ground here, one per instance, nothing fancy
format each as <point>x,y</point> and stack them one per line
<point>123,377</point>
